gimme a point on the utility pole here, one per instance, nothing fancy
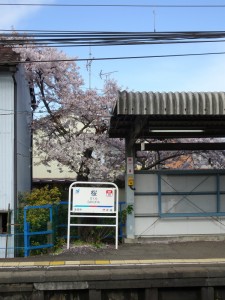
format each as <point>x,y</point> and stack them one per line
<point>88,66</point>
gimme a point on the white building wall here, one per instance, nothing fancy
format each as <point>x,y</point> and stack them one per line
<point>6,152</point>
<point>7,141</point>
<point>23,121</point>
<point>15,150</point>
<point>148,223</point>
<point>54,170</point>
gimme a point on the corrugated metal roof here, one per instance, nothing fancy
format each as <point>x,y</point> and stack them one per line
<point>168,115</point>
<point>8,56</point>
<point>171,103</point>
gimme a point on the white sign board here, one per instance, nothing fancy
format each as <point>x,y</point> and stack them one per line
<point>93,200</point>
<point>98,200</point>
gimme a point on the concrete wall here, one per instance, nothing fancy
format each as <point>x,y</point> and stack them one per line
<point>130,283</point>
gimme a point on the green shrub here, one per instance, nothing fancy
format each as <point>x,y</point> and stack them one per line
<point>38,218</point>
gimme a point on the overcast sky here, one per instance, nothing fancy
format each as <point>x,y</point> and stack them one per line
<point>192,73</point>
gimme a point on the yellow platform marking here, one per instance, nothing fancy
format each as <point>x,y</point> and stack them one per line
<point>72,262</point>
<point>130,261</point>
<point>10,264</point>
<point>152,261</point>
<point>111,262</point>
<point>177,261</point>
<point>26,263</point>
<point>102,262</point>
<point>212,260</point>
<point>116,262</point>
<point>57,263</point>
<point>41,263</point>
<point>87,262</point>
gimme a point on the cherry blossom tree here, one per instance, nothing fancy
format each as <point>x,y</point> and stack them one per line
<point>71,123</point>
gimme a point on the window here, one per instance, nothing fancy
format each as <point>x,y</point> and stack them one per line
<point>3,222</point>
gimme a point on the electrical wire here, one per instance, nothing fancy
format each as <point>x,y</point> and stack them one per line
<point>93,44</point>
<point>101,38</point>
<point>117,34</point>
<point>118,5</point>
<point>114,58</point>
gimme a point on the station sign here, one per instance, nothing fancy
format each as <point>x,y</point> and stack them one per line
<point>93,200</point>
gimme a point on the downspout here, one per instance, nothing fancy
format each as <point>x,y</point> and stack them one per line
<point>31,151</point>
<point>33,106</point>
<point>15,157</point>
<point>15,140</point>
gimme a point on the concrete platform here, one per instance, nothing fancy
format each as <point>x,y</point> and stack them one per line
<point>154,252</point>
<point>169,270</point>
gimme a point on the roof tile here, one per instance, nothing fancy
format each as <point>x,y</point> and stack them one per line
<point>8,56</point>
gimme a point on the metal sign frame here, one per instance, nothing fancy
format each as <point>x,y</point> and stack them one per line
<point>95,213</point>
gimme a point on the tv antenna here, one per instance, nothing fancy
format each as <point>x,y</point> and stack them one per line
<point>101,74</point>
<point>154,13</point>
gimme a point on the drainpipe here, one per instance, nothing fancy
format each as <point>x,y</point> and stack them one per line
<point>15,136</point>
<point>33,106</point>
<point>13,70</point>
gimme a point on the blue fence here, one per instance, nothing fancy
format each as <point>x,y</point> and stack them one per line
<point>54,229</point>
<point>28,233</point>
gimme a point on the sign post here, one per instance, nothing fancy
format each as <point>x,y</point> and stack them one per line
<point>93,200</point>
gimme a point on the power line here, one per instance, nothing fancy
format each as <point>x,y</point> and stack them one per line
<point>101,38</point>
<point>119,5</point>
<point>71,33</point>
<point>63,45</point>
<point>115,58</point>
